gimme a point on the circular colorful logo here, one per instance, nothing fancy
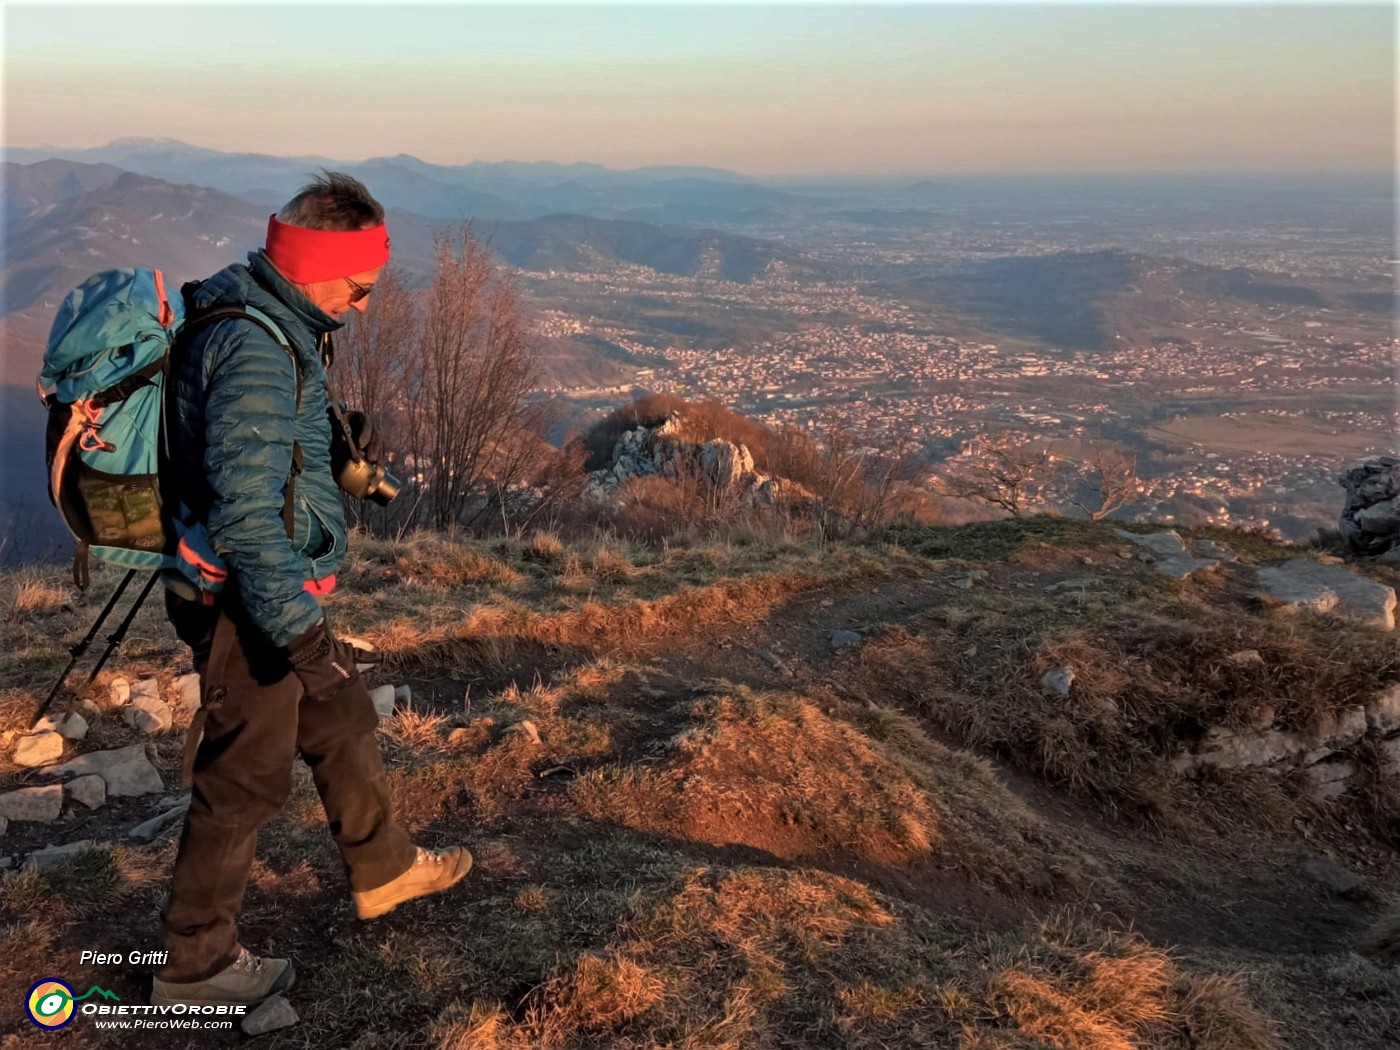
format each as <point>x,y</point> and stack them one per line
<point>50,1003</point>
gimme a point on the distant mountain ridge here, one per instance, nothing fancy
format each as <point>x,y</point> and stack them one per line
<point>497,190</point>
<point>65,220</point>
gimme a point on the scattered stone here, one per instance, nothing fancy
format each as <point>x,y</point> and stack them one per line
<point>1383,713</point>
<point>827,603</point>
<point>772,661</point>
<point>149,714</point>
<point>472,737</point>
<point>403,695</point>
<point>90,790</point>
<point>126,770</point>
<point>43,859</point>
<point>270,1015</point>
<point>39,749</point>
<point>90,710</point>
<point>383,697</point>
<point>839,639</point>
<point>1246,658</point>
<point>39,804</point>
<point>1076,584</point>
<point>171,801</point>
<point>187,691</point>
<point>168,820</point>
<point>1335,877</point>
<point>1211,549</point>
<point>120,692</point>
<point>148,688</point>
<point>1059,680</point>
<point>1167,551</point>
<point>70,726</point>
<point>1304,584</point>
<point>526,729</point>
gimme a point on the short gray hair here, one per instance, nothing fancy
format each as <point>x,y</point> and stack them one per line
<point>332,201</point>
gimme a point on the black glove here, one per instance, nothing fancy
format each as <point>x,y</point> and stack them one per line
<point>363,435</point>
<point>363,441</point>
<point>324,663</point>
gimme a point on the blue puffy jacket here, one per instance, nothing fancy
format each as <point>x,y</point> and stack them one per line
<point>235,419</point>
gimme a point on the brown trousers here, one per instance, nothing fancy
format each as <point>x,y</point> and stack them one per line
<point>257,721</point>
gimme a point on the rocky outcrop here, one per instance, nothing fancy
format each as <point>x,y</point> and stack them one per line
<point>1370,520</point>
<point>1322,756</point>
<point>1167,552</point>
<point>1305,584</point>
<point>660,450</point>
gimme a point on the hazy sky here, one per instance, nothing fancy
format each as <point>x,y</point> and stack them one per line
<point>798,88</point>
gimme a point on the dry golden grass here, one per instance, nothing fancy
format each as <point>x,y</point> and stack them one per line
<point>1079,987</point>
<point>492,635</point>
<point>772,772</point>
<point>39,597</point>
<point>88,883</point>
<point>25,950</point>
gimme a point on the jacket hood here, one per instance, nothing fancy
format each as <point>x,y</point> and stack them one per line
<point>259,284</point>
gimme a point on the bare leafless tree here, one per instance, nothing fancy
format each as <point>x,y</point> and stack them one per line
<point>477,366</point>
<point>1004,470</point>
<point>1105,481</point>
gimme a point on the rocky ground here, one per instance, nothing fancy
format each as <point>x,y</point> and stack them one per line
<point>1026,783</point>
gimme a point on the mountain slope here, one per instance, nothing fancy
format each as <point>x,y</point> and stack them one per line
<point>720,829</point>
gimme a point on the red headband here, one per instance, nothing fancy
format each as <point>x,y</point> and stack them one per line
<point>306,256</point>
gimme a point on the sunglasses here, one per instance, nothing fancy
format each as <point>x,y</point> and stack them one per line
<point>359,290</point>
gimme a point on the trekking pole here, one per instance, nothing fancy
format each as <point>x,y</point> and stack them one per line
<point>78,648</point>
<point>116,637</point>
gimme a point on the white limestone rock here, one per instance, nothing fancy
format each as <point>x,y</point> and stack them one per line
<point>71,726</point>
<point>89,790</point>
<point>403,695</point>
<point>1059,681</point>
<point>39,804</point>
<point>1304,584</point>
<point>383,697</point>
<point>270,1015</point>
<point>149,714</point>
<point>119,692</point>
<point>125,770</point>
<point>39,749</point>
<point>1168,553</point>
<point>168,820</point>
<point>187,691</point>
<point>43,859</point>
<point>1328,780</point>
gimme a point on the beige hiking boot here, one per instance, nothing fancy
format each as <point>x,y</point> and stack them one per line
<point>432,872</point>
<point>245,981</point>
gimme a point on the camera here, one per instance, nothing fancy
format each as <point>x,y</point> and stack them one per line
<point>355,458</point>
<point>366,480</point>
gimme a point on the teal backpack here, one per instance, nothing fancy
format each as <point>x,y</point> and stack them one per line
<point>103,381</point>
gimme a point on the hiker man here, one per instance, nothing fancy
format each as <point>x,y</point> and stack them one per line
<point>251,456</point>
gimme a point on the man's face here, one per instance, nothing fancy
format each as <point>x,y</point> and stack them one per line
<point>340,295</point>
